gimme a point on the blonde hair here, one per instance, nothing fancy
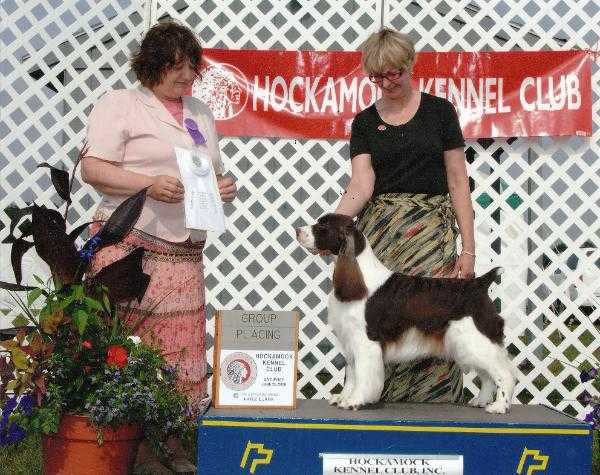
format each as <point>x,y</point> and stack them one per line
<point>387,49</point>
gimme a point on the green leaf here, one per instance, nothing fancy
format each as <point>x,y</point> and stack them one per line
<point>80,318</point>
<point>20,321</point>
<point>62,304</point>
<point>78,292</point>
<point>50,322</point>
<point>106,301</point>
<point>39,280</point>
<point>93,304</point>
<point>33,296</point>
<point>19,358</point>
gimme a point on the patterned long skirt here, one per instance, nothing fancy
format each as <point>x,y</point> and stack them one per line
<point>173,306</point>
<point>415,234</point>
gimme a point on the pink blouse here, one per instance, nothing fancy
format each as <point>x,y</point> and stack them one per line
<point>133,129</point>
<point>175,108</point>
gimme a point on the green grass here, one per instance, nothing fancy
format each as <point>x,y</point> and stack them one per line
<point>596,453</point>
<point>22,459</point>
<point>26,458</point>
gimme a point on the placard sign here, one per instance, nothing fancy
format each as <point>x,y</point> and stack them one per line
<point>398,464</point>
<point>255,359</point>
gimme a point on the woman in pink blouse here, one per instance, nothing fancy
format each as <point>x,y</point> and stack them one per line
<point>131,138</point>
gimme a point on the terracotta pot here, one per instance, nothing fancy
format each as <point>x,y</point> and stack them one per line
<point>74,449</point>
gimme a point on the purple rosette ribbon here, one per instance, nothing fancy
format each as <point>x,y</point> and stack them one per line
<point>192,128</point>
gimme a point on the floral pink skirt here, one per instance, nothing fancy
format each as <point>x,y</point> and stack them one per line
<point>173,305</point>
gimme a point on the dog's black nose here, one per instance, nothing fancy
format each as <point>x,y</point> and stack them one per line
<point>297,233</point>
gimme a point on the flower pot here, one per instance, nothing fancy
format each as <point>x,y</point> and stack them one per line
<point>74,448</point>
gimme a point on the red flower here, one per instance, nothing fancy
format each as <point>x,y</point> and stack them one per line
<point>116,356</point>
<point>86,344</point>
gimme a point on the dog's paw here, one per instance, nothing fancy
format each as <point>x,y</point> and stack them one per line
<point>355,403</point>
<point>349,406</point>
<point>476,402</point>
<point>497,407</point>
<point>334,400</point>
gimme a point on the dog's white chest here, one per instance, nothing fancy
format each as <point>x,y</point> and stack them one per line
<point>347,319</point>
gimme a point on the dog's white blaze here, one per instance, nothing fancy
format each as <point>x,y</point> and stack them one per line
<point>374,272</point>
<point>305,237</point>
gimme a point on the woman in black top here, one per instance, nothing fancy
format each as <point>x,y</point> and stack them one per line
<point>409,187</point>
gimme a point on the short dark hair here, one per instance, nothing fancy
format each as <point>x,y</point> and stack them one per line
<point>164,46</point>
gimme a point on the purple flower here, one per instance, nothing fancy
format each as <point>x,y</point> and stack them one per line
<point>15,434</point>
<point>26,404</point>
<point>584,398</point>
<point>90,248</point>
<point>7,410</point>
<point>593,418</point>
<point>86,255</point>
<point>170,371</point>
<point>588,375</point>
<point>10,433</point>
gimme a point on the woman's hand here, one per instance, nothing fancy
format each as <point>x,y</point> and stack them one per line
<point>227,188</point>
<point>166,189</point>
<point>464,267</point>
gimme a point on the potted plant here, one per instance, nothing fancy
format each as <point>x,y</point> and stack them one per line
<point>74,371</point>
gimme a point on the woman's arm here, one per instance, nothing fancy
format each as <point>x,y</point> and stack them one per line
<point>458,185</point>
<point>111,179</point>
<point>360,188</point>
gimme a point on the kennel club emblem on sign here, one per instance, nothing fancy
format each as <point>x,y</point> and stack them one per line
<point>222,87</point>
<point>255,359</point>
<point>238,371</point>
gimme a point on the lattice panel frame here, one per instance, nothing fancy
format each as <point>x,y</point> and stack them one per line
<point>57,59</point>
<point>527,192</point>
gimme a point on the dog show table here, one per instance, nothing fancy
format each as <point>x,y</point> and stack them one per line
<point>401,438</point>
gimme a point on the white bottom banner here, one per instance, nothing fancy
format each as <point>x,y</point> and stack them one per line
<point>393,464</point>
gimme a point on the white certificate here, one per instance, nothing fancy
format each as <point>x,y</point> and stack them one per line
<point>203,205</point>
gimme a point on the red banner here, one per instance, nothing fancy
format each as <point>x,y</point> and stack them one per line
<point>315,94</point>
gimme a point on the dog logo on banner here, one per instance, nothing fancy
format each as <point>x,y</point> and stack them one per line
<point>222,87</point>
<point>535,455</point>
<point>266,454</point>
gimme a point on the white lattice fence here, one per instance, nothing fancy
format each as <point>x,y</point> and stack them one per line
<point>537,201</point>
<point>57,59</point>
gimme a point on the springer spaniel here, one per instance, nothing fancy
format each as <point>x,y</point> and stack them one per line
<point>380,316</point>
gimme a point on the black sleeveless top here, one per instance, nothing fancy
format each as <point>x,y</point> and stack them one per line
<point>409,158</point>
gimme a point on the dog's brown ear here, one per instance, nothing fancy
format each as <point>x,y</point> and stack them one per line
<point>348,281</point>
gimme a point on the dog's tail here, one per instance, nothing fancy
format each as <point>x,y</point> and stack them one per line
<point>485,315</point>
<point>486,279</point>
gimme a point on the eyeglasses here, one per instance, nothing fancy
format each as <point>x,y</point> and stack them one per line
<point>389,75</point>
